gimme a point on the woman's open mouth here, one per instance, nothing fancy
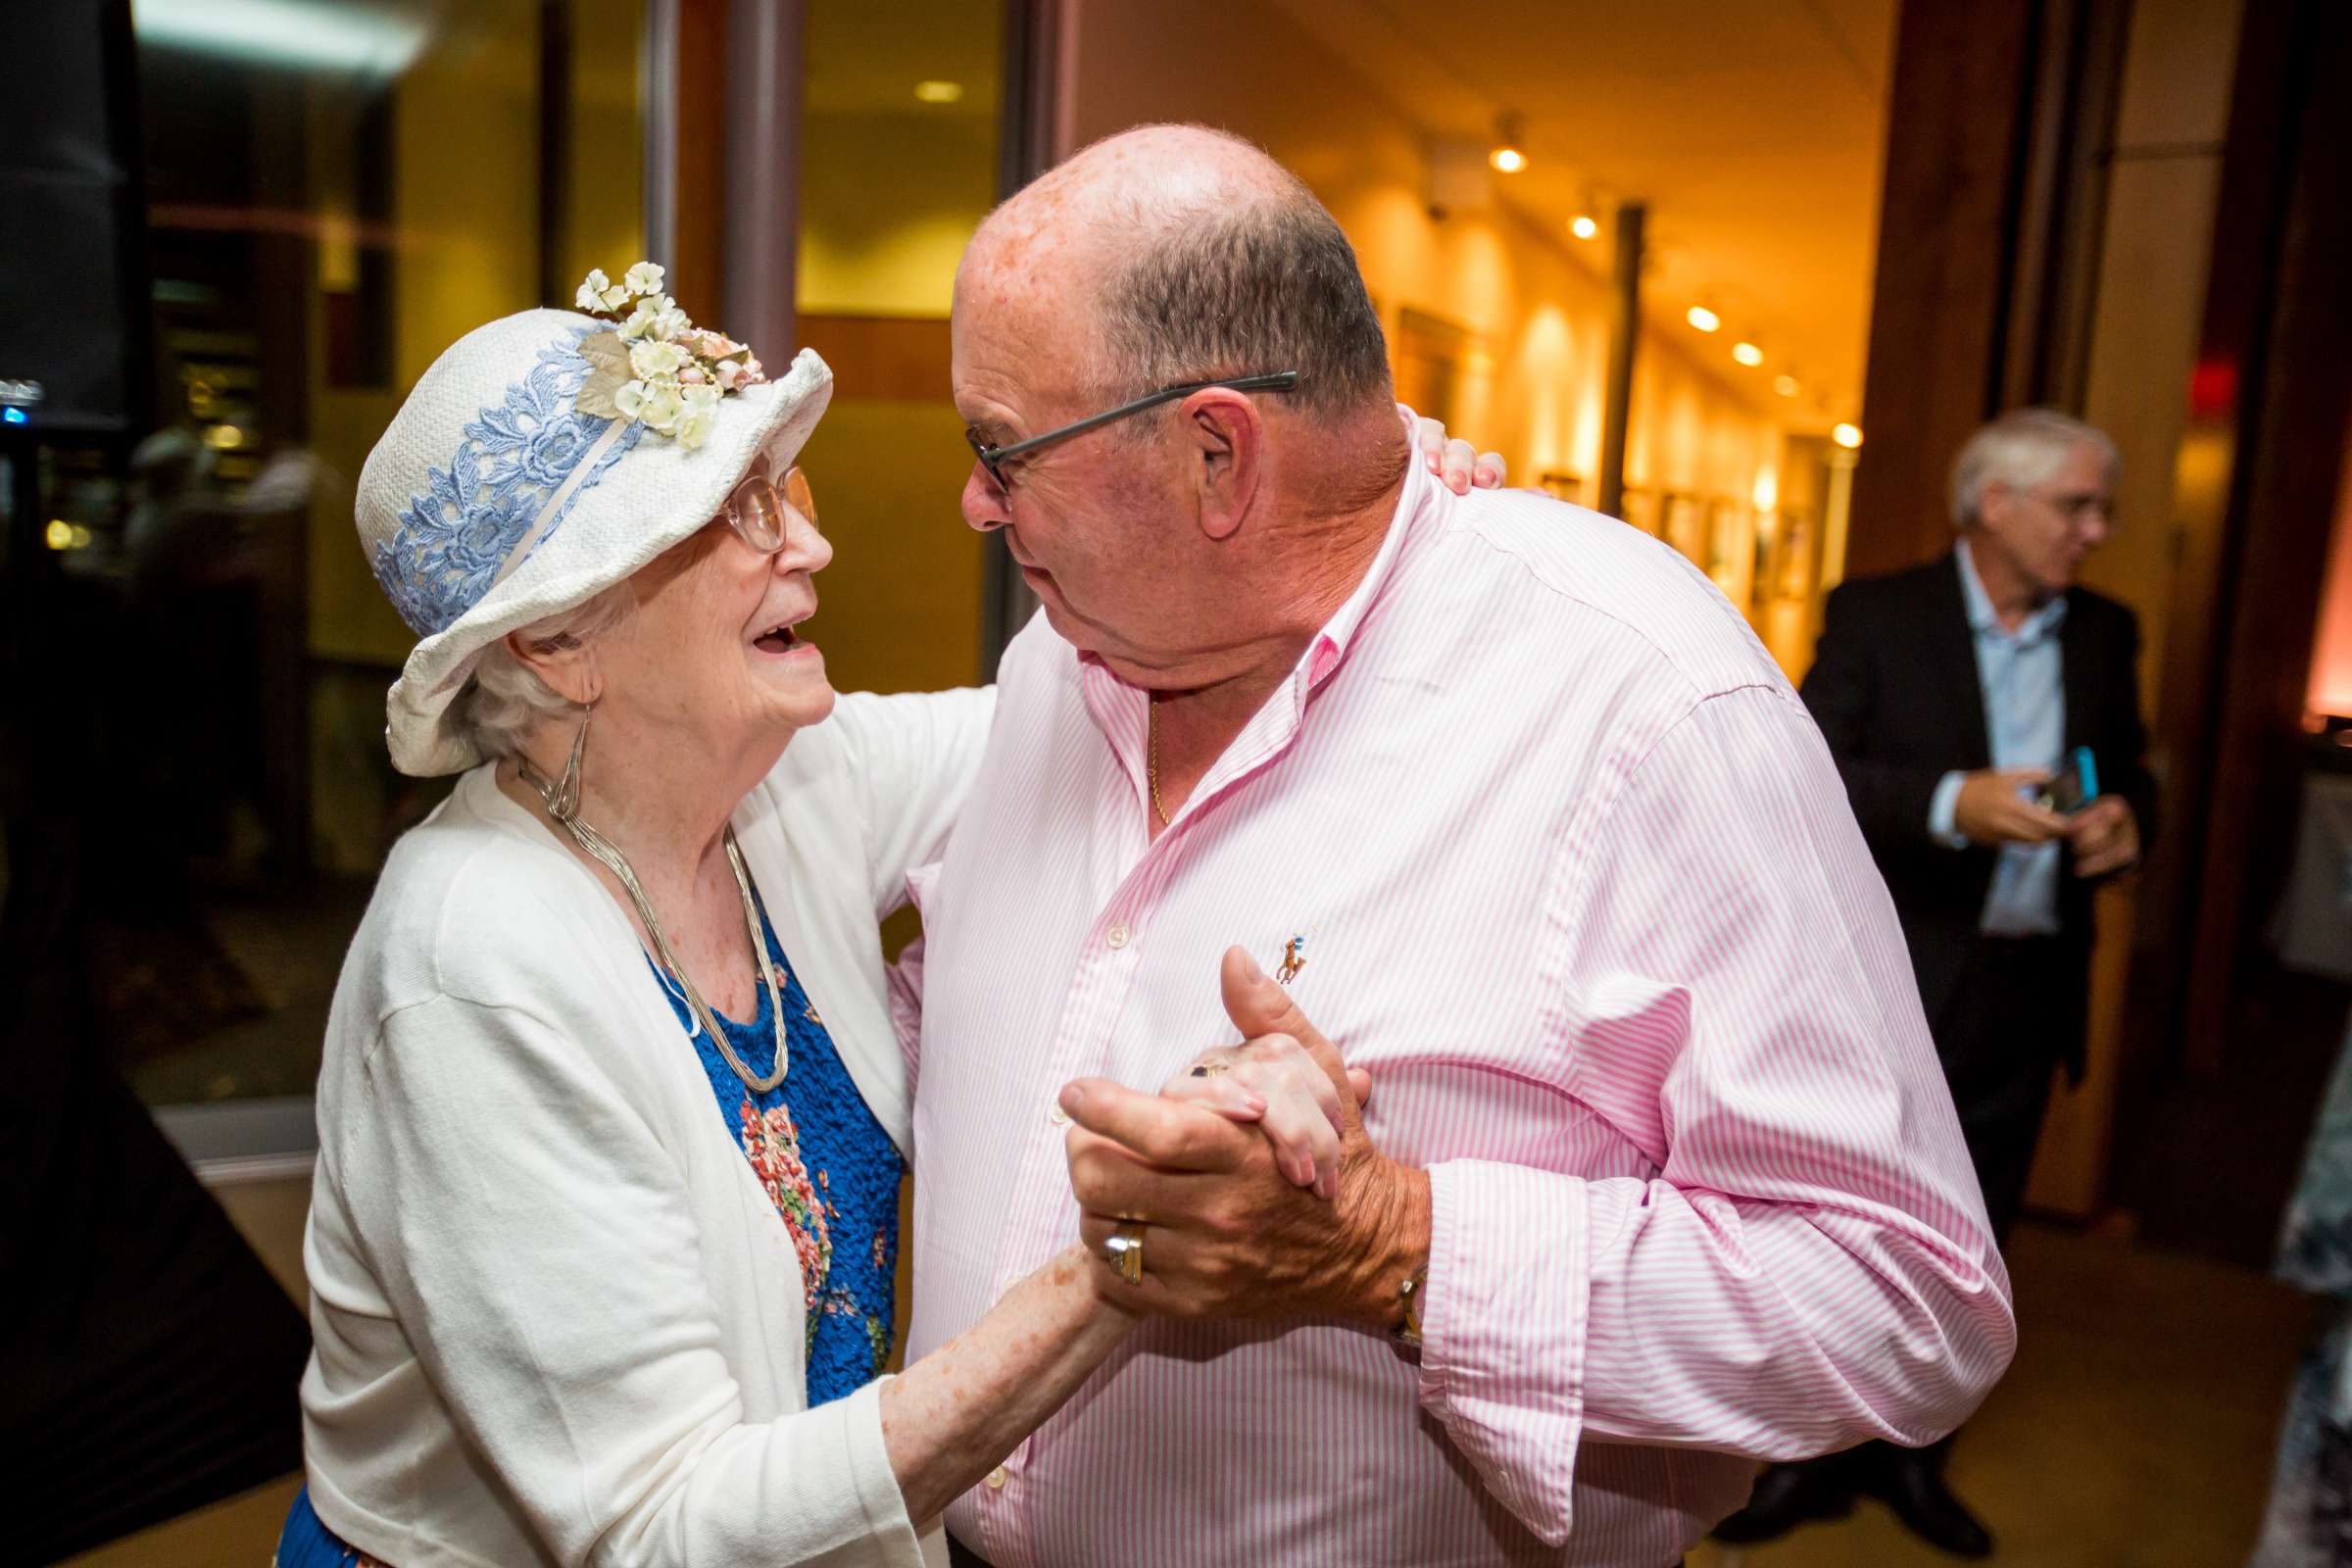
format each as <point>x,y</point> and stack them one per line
<point>780,640</point>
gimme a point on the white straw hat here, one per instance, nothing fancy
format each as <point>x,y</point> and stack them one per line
<point>493,500</point>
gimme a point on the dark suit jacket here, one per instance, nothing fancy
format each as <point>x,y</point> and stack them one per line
<point>1893,687</point>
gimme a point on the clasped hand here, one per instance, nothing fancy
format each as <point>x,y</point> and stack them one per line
<point>1257,1190</point>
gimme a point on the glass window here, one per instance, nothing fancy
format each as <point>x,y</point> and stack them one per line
<point>333,193</point>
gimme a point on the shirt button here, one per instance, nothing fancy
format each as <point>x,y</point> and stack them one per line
<point>1059,1117</point>
<point>1116,936</point>
<point>995,1479</point>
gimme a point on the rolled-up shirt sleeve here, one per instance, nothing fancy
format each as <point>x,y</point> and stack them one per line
<point>1798,1257</point>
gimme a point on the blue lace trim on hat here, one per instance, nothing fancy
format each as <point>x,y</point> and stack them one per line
<point>454,538</point>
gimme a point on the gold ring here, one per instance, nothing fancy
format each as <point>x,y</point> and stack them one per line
<point>1123,1249</point>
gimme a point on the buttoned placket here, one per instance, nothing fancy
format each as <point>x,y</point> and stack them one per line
<point>1132,870</point>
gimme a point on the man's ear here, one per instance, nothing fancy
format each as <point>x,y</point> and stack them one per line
<point>1993,504</point>
<point>1228,444</point>
<point>564,665</point>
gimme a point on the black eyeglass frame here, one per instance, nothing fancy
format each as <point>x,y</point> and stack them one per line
<point>991,457</point>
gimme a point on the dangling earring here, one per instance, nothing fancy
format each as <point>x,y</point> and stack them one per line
<point>563,804</point>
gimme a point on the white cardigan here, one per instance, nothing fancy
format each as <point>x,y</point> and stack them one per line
<point>557,1319</point>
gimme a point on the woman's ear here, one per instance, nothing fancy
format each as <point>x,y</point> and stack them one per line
<point>564,665</point>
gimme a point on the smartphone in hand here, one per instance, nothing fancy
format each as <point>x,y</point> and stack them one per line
<point>2075,785</point>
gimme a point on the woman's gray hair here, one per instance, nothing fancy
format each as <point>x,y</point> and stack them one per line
<point>2021,449</point>
<point>504,700</point>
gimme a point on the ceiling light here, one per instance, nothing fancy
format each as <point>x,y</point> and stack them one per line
<point>1747,354</point>
<point>305,34</point>
<point>938,92</point>
<point>1849,436</point>
<point>1705,319</point>
<point>1786,386</point>
<point>1582,226</point>
<point>1510,135</point>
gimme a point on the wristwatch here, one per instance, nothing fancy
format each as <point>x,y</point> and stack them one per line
<point>1410,1331</point>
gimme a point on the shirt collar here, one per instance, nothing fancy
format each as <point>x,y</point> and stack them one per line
<point>1985,621</point>
<point>1418,501</point>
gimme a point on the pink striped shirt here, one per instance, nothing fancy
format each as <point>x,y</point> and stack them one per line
<point>1581,887</point>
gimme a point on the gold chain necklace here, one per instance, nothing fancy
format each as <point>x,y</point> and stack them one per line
<point>1151,757</point>
<point>564,807</point>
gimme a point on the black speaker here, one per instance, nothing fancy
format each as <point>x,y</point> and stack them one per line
<point>73,243</point>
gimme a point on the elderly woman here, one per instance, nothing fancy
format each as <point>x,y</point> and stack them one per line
<point>611,1114</point>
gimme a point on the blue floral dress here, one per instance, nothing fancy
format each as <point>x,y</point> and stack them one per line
<point>828,1166</point>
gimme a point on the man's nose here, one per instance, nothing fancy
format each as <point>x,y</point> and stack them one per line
<point>984,504</point>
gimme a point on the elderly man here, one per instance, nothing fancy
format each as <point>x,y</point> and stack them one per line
<point>1657,1174</point>
<point>1949,695</point>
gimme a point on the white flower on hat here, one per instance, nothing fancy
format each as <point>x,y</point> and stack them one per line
<point>653,360</point>
<point>656,368</point>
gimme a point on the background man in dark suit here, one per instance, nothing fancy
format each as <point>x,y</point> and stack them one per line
<point>1951,694</point>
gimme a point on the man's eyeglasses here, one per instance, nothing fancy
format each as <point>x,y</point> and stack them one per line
<point>994,457</point>
<point>755,509</point>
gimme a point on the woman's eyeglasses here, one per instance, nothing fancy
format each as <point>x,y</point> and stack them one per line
<point>994,457</point>
<point>755,509</point>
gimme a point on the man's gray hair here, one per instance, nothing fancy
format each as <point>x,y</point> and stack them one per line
<point>1247,286</point>
<point>504,700</point>
<point>2021,449</point>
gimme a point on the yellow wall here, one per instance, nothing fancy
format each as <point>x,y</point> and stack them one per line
<point>1540,315</point>
<point>887,204</point>
<point>899,609</point>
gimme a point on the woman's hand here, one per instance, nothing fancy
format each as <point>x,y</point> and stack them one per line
<point>1273,1082</point>
<point>1455,463</point>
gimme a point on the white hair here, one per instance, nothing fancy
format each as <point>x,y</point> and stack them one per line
<point>503,698</point>
<point>2021,449</point>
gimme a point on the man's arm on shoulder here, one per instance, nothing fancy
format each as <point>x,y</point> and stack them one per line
<point>1842,690</point>
<point>1805,1261</point>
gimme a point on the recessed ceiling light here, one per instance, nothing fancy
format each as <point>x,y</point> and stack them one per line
<point>1849,436</point>
<point>1747,354</point>
<point>1786,386</point>
<point>1509,160</point>
<point>938,92</point>
<point>1705,319</point>
<point>1582,226</point>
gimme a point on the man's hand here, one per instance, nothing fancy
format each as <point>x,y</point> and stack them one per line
<point>1224,1234</point>
<point>1992,810</point>
<point>2105,837</point>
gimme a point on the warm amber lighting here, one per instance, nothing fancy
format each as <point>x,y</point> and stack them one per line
<point>1705,319</point>
<point>1747,354</point>
<point>59,534</point>
<point>225,438</point>
<point>1849,436</point>
<point>1786,386</point>
<point>1583,227</point>
<point>1509,160</point>
<point>938,92</point>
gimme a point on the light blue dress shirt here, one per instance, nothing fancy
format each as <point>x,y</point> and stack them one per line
<point>2023,676</point>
